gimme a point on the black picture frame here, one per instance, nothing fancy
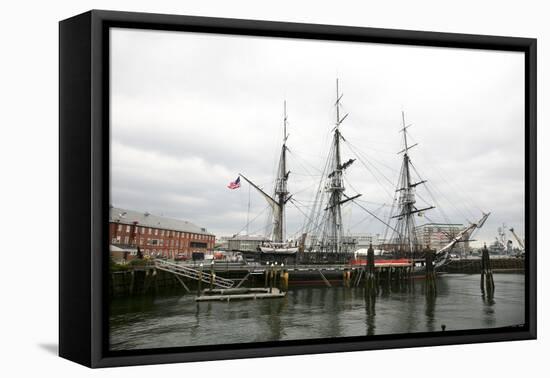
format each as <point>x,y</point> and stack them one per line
<point>84,185</point>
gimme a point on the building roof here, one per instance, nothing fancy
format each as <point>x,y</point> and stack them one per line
<point>114,248</point>
<point>248,238</point>
<point>440,224</point>
<point>123,216</point>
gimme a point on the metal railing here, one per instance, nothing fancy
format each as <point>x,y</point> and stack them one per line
<point>192,273</point>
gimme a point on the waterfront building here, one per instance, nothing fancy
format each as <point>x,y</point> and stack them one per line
<point>157,235</point>
<point>223,243</point>
<point>438,235</point>
<point>245,242</point>
<point>363,241</point>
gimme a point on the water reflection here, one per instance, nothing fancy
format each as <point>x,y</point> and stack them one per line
<point>316,312</point>
<point>429,311</point>
<point>370,309</point>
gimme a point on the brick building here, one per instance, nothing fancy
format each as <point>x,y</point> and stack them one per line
<point>156,235</point>
<point>438,235</point>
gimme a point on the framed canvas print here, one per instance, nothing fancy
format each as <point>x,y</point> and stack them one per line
<point>235,188</point>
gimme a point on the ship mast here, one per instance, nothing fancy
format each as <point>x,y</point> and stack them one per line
<point>281,197</point>
<point>405,238</point>
<point>335,184</point>
<point>281,192</point>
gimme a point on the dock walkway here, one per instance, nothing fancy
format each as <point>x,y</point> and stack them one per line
<point>239,294</point>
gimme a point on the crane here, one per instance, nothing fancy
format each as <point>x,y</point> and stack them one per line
<point>520,242</point>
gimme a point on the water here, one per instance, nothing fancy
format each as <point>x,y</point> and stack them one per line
<point>173,319</point>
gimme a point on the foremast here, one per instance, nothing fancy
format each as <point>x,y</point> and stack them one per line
<point>334,231</point>
<point>278,200</point>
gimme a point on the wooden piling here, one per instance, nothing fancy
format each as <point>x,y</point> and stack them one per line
<point>266,273</point>
<point>284,280</point>
<point>199,285</point>
<point>430,272</point>
<point>370,276</point>
<point>487,283</point>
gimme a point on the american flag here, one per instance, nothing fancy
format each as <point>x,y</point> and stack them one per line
<point>235,184</point>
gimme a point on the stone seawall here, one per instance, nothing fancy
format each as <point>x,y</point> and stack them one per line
<point>140,281</point>
<point>149,280</point>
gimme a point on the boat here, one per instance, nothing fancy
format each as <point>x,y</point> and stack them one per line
<point>323,239</point>
<point>280,248</point>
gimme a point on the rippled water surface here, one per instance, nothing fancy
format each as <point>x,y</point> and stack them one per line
<point>173,319</point>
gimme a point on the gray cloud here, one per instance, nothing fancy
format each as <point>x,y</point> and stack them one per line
<point>191,111</point>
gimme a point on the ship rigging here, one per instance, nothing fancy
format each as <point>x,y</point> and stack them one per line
<point>323,233</point>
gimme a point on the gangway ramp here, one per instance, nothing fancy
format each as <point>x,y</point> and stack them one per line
<point>192,273</point>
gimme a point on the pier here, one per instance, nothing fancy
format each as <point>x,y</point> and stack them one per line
<point>224,278</point>
<point>240,294</point>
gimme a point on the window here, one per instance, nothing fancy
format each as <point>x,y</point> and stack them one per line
<point>198,245</point>
<point>119,228</point>
<point>156,231</point>
<point>143,230</point>
<point>162,233</point>
<point>128,228</point>
<point>150,231</point>
<point>126,240</point>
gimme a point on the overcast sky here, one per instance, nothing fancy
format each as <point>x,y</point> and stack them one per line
<point>190,111</point>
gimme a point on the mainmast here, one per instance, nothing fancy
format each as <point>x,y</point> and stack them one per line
<point>405,236</point>
<point>335,185</point>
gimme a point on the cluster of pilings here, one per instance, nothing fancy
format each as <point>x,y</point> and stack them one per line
<point>375,278</point>
<point>487,283</point>
<point>276,276</point>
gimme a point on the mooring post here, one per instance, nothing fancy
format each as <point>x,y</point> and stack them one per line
<point>271,278</point>
<point>212,275</point>
<point>284,278</point>
<point>199,286</point>
<point>281,272</point>
<point>370,280</point>
<point>275,274</point>
<point>266,273</point>
<point>487,283</point>
<point>430,273</point>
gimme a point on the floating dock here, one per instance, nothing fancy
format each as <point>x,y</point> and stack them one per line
<point>240,294</point>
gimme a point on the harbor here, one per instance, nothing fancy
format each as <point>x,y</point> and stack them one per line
<point>161,275</point>
<point>172,281</point>
<point>171,318</point>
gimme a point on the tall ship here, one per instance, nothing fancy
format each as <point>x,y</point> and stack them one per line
<point>322,238</point>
